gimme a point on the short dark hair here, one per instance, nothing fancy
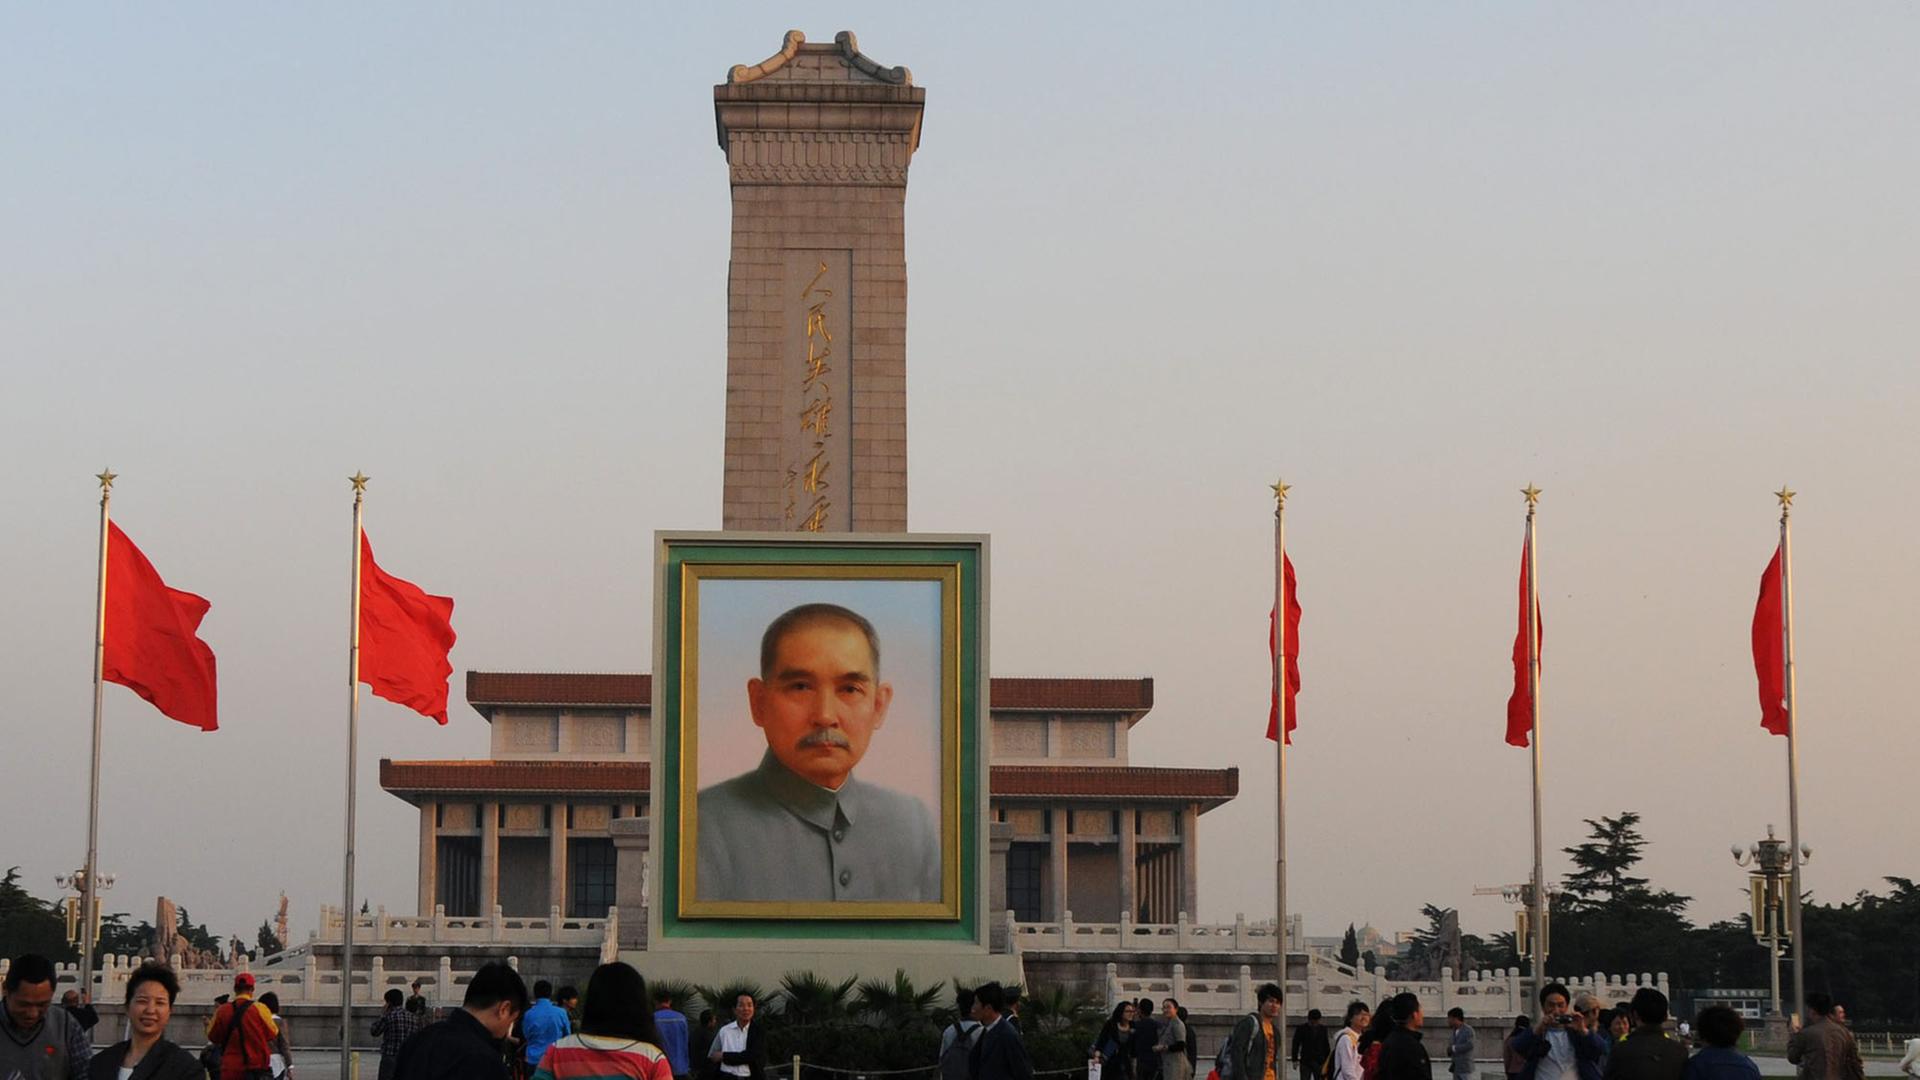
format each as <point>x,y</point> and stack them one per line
<point>706,1017</point>
<point>1719,1025</point>
<point>1650,1005</point>
<point>1404,1006</point>
<point>1456,1013</point>
<point>962,1000</point>
<point>494,983</point>
<point>1355,1008</point>
<point>1268,991</point>
<point>395,998</point>
<point>1556,988</point>
<point>1145,1005</point>
<point>542,988</point>
<point>1175,1002</point>
<point>566,993</point>
<point>1819,1003</point>
<point>662,994</point>
<point>991,996</point>
<point>27,968</point>
<point>617,1004</point>
<point>154,973</point>
<point>812,615</point>
<point>1313,1014</point>
<point>271,1000</point>
<point>1521,1021</point>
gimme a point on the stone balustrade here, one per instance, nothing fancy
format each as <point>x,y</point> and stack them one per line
<point>1129,936</point>
<point>1329,985</point>
<point>442,929</point>
<point>307,984</point>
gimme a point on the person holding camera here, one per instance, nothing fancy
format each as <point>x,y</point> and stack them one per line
<point>1564,1045</point>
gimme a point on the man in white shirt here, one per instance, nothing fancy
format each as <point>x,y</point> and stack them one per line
<point>1910,1065</point>
<point>738,1048</point>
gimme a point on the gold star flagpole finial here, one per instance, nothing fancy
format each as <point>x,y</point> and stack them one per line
<point>1280,489</point>
<point>106,478</point>
<point>359,482</point>
<point>1533,495</point>
<point>1785,495</point>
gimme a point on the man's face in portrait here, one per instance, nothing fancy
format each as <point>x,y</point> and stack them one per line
<point>820,701</point>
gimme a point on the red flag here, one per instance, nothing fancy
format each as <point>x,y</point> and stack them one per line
<point>152,645</point>
<point>1770,650</point>
<point>1293,659</point>
<point>1520,705</point>
<point>405,636</point>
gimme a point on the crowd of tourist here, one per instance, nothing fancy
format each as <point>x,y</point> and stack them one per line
<point>501,1031</point>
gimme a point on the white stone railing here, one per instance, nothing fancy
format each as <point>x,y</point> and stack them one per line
<point>442,929</point>
<point>309,983</point>
<point>1330,985</point>
<point>1129,936</point>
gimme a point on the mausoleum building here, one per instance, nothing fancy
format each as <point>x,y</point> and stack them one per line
<point>526,828</point>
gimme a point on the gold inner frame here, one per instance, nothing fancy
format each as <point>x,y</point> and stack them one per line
<point>948,906</point>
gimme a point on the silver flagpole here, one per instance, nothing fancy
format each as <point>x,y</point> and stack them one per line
<point>1539,899</point>
<point>1280,769</point>
<point>347,911</point>
<point>1793,754</point>
<point>89,936</point>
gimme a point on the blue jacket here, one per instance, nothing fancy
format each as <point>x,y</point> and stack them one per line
<point>672,1025</point>
<point>1589,1052</point>
<point>1721,1063</point>
<point>544,1025</point>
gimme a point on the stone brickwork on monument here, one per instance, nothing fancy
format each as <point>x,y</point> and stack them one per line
<point>818,139</point>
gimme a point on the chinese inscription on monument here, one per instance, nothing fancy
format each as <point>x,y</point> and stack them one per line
<point>816,480</point>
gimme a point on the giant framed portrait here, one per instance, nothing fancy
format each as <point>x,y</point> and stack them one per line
<point>820,710</point>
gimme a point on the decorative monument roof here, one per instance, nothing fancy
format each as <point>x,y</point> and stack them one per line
<point>487,690</point>
<point>844,53</point>
<point>412,779</point>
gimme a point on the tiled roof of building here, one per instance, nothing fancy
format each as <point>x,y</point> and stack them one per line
<point>557,688</point>
<point>493,688</point>
<point>1209,786</point>
<point>1114,782</point>
<point>611,777</point>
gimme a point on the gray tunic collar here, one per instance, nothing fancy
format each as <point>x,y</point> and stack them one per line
<point>805,800</point>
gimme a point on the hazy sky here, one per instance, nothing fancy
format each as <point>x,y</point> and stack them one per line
<point>1655,258</point>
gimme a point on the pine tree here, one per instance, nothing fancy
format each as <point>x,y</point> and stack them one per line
<point>1350,948</point>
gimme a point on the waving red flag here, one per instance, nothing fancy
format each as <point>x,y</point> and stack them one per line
<point>1770,650</point>
<point>405,636</point>
<point>152,642</point>
<point>1520,704</point>
<point>1293,659</point>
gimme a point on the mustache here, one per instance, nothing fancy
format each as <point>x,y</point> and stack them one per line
<point>824,737</point>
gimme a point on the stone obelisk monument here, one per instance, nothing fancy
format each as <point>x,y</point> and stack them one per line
<point>818,139</point>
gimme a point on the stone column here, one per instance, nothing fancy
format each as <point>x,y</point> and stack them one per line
<point>1129,861</point>
<point>429,856</point>
<point>818,139</point>
<point>1000,839</point>
<point>557,859</point>
<point>1057,837</point>
<point>489,858</point>
<point>630,844</point>
<point>1190,861</point>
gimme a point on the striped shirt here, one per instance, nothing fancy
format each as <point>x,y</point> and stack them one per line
<point>601,1057</point>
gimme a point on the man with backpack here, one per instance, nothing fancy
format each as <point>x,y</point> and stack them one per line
<point>956,1042</point>
<point>242,1031</point>
<point>1249,1052</point>
<point>1310,1049</point>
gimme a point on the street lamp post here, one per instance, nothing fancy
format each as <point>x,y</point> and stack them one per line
<point>79,919</point>
<point>1772,867</point>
